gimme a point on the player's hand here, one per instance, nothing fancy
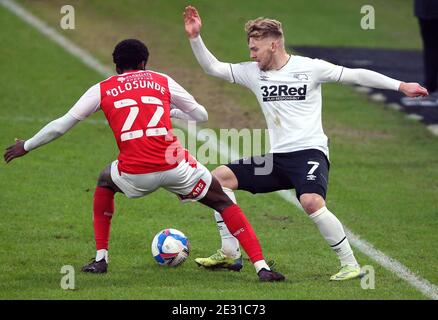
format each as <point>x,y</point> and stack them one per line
<point>413,89</point>
<point>192,22</point>
<point>14,151</point>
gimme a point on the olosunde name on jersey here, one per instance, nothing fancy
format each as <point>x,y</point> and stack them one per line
<point>283,92</point>
<point>136,84</point>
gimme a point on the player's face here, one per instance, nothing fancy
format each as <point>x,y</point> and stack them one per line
<point>262,51</point>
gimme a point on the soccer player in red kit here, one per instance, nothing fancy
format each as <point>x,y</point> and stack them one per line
<point>138,105</point>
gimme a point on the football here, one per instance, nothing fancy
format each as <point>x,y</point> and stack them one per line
<point>170,247</point>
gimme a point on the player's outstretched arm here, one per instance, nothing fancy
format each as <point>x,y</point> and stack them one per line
<point>14,151</point>
<point>86,105</point>
<point>377,80</point>
<point>50,132</point>
<point>208,62</point>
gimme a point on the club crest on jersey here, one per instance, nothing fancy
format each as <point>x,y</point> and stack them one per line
<point>283,92</point>
<point>301,76</point>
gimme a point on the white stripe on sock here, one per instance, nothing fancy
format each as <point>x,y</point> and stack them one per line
<point>333,232</point>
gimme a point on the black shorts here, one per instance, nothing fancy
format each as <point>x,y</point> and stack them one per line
<point>306,171</point>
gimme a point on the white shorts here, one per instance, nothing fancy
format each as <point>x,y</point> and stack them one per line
<point>188,182</point>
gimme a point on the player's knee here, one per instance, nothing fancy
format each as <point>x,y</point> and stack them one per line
<point>223,202</point>
<point>311,202</point>
<point>225,177</point>
<point>218,201</point>
<point>104,179</point>
<point>222,205</point>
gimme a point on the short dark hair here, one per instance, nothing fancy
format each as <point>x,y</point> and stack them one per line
<point>129,53</point>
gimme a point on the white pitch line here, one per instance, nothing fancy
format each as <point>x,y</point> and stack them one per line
<point>69,46</point>
<point>422,285</point>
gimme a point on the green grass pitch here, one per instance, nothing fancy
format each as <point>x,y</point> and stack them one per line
<point>383,182</point>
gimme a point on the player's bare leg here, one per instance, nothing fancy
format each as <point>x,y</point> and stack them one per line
<point>103,210</point>
<point>240,227</point>
<point>331,229</point>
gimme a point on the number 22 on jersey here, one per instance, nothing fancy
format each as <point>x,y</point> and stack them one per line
<point>134,109</point>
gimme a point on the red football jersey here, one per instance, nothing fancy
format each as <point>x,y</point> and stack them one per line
<point>137,107</point>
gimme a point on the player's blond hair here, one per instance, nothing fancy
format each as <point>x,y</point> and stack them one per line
<point>262,28</point>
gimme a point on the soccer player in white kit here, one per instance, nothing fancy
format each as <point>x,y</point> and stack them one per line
<point>288,89</point>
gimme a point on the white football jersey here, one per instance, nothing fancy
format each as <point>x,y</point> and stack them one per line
<point>291,100</point>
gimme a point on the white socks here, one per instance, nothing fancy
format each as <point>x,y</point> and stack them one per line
<point>102,254</point>
<point>230,245</point>
<point>333,232</point>
<point>261,264</point>
<point>329,226</point>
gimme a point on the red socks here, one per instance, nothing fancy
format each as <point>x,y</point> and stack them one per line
<point>240,227</point>
<point>103,208</point>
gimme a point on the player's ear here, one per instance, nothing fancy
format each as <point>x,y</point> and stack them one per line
<point>274,45</point>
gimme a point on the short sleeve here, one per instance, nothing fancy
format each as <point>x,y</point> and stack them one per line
<point>324,71</point>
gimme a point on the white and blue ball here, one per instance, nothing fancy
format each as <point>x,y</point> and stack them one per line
<point>170,247</point>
